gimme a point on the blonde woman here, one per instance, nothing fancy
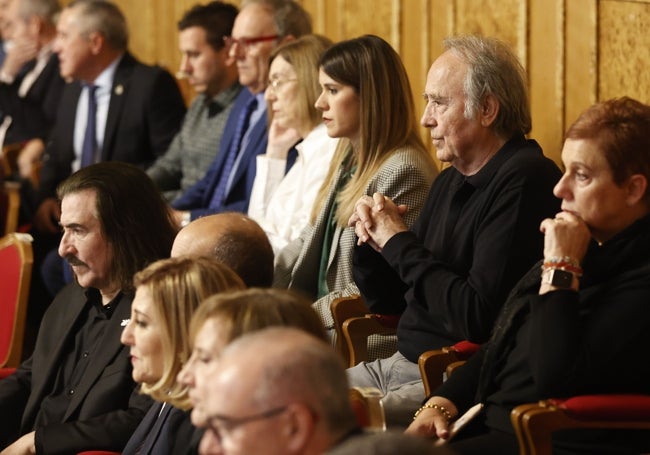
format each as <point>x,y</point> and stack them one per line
<point>167,294</point>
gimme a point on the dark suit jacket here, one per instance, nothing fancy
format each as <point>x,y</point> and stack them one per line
<point>145,113</point>
<point>105,409</point>
<point>33,115</point>
<point>197,198</point>
<point>161,433</point>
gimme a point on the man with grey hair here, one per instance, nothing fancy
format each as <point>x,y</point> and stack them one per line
<point>116,109</point>
<point>478,232</point>
<point>30,84</point>
<point>278,391</point>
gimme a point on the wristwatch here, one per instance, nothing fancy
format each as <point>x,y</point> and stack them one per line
<point>559,278</point>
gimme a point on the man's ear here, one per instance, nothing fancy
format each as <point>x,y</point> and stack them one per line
<point>636,187</point>
<point>35,24</point>
<point>97,42</point>
<point>300,427</point>
<point>488,110</point>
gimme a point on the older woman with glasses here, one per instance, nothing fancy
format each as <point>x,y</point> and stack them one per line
<point>167,294</point>
<point>282,204</point>
<point>578,322</point>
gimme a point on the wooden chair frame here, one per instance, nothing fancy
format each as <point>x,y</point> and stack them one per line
<point>12,193</point>
<point>534,424</point>
<point>435,363</point>
<point>356,332</point>
<point>366,403</point>
<point>343,309</point>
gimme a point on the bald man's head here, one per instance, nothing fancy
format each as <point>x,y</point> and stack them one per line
<point>235,240</point>
<point>300,381</point>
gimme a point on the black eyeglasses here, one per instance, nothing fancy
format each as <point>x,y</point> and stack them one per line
<point>245,43</point>
<point>221,424</point>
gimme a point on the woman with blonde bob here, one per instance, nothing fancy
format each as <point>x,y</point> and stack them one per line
<point>365,99</point>
<point>223,318</point>
<point>167,294</point>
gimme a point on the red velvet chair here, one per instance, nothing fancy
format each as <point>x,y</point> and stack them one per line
<point>433,364</point>
<point>535,423</point>
<point>16,270</point>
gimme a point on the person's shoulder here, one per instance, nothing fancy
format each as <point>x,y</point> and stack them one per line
<point>67,303</point>
<point>530,154</point>
<point>527,162</point>
<point>143,71</point>
<point>410,159</point>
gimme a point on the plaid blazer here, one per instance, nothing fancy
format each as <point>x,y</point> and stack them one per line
<point>405,177</point>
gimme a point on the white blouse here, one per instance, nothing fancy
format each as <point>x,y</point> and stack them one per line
<point>282,204</point>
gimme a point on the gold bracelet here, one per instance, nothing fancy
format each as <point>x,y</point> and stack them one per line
<point>441,409</point>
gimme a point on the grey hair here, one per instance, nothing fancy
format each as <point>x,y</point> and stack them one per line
<point>308,371</point>
<point>494,70</point>
<point>289,17</point>
<point>103,17</point>
<point>45,9</point>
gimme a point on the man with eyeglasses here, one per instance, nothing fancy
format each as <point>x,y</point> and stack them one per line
<point>293,399</point>
<point>260,26</point>
<point>208,68</point>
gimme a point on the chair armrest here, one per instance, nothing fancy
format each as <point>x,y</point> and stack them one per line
<point>356,332</point>
<point>452,367</point>
<point>464,349</point>
<point>342,309</point>
<point>433,364</point>
<point>534,423</point>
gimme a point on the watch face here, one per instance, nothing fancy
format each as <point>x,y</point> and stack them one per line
<point>561,278</point>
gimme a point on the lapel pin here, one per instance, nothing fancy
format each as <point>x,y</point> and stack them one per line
<point>125,322</point>
<point>119,89</point>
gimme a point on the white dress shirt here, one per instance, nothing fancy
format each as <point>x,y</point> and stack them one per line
<point>104,83</point>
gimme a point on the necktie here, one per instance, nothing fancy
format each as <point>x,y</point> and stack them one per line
<point>89,147</point>
<point>243,122</point>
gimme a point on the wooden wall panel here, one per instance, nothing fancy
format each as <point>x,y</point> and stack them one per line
<point>504,19</point>
<point>622,35</point>
<point>546,69</point>
<point>580,46</point>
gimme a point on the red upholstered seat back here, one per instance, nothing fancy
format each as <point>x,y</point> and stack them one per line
<point>606,407</point>
<point>15,274</point>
